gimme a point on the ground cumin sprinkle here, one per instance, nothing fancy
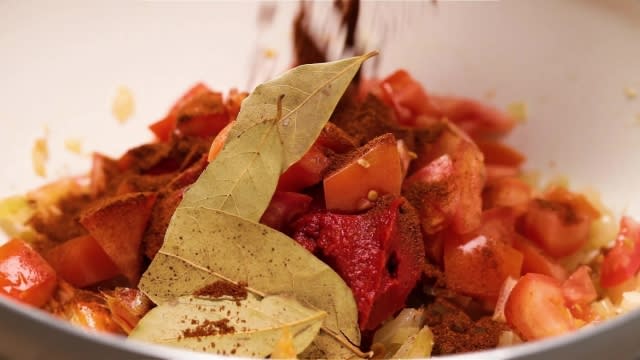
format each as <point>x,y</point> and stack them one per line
<point>220,289</point>
<point>209,328</point>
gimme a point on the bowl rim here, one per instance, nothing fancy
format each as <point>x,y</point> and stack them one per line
<point>578,343</point>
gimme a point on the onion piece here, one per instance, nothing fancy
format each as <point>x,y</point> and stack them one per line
<point>417,346</point>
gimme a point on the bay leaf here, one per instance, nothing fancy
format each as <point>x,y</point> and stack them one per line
<point>205,245</point>
<point>277,124</point>
<point>250,327</point>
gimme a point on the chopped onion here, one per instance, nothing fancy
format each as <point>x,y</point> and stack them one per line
<point>630,301</point>
<point>603,309</point>
<point>417,346</point>
<point>407,318</point>
<point>394,333</point>
<point>505,291</point>
<point>14,213</point>
<point>508,338</point>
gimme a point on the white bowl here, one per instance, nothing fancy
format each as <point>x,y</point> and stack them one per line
<point>571,62</point>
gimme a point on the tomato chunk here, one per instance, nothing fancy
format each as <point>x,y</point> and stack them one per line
<point>536,261</point>
<point>127,307</point>
<point>82,262</point>
<point>506,191</point>
<point>623,261</point>
<point>284,208</point>
<point>307,171</point>
<point>447,191</point>
<point>413,106</point>
<point>375,168</point>
<point>497,153</point>
<point>118,226</point>
<point>165,127</point>
<point>199,112</point>
<point>408,99</point>
<point>559,223</point>
<point>478,263</point>
<point>379,254</point>
<point>24,274</point>
<point>578,289</point>
<point>536,308</point>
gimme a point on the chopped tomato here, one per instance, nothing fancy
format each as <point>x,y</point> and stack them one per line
<point>578,201</point>
<point>199,112</point>
<point>447,191</point>
<point>234,101</point>
<point>118,226</point>
<point>498,153</point>
<point>506,191</point>
<point>405,156</point>
<point>204,115</point>
<point>498,171</point>
<point>285,207</point>
<point>307,171</point>
<point>165,127</point>
<point>335,139</point>
<point>478,263</point>
<point>408,99</point>
<point>24,274</point>
<point>218,142</point>
<point>536,261</point>
<point>91,315</point>
<point>375,169</point>
<point>560,228</point>
<point>82,262</point>
<point>476,119</point>
<point>579,291</point>
<point>536,308</point>
<point>127,307</point>
<point>623,261</point>
<point>103,168</point>
<point>414,107</point>
<point>378,253</point>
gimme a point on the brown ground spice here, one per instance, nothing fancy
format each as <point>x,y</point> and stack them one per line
<point>209,328</point>
<point>369,120</point>
<point>455,332</point>
<point>62,225</point>
<point>306,51</point>
<point>220,289</point>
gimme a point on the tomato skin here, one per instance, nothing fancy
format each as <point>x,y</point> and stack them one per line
<point>348,187</point>
<point>623,261</point>
<point>24,275</point>
<point>82,262</point>
<point>536,308</point>
<point>478,263</point>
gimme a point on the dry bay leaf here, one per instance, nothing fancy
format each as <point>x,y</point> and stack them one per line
<point>205,245</point>
<point>214,234</point>
<point>250,327</point>
<point>276,126</point>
